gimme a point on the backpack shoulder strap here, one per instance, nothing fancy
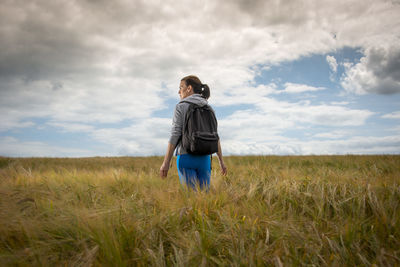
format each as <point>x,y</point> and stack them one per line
<point>190,110</point>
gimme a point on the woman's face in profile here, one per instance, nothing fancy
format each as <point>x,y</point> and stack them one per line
<point>184,91</point>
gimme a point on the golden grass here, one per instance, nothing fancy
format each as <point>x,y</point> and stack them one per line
<point>308,210</point>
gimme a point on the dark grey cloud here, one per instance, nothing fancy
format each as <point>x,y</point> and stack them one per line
<point>64,61</point>
<point>41,42</point>
<point>386,66</point>
<point>47,39</point>
<point>377,72</point>
<point>63,39</point>
<point>276,12</point>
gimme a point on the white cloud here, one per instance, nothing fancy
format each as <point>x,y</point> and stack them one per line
<point>234,147</point>
<point>294,88</point>
<point>242,95</point>
<point>395,129</point>
<point>340,103</point>
<point>303,112</point>
<point>72,127</point>
<point>336,134</point>
<point>332,63</point>
<point>393,115</point>
<point>273,118</point>
<point>257,130</point>
<point>147,137</point>
<point>354,145</point>
<point>7,123</point>
<point>143,138</point>
<point>12,147</point>
<point>104,101</point>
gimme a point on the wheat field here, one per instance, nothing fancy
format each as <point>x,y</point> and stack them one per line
<point>268,210</point>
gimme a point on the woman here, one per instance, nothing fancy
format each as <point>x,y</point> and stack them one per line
<point>192,169</point>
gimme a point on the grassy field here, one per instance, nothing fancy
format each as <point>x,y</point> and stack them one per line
<point>278,211</point>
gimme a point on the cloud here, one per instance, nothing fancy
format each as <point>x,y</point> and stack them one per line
<point>332,63</point>
<point>260,130</point>
<point>303,112</point>
<point>142,137</point>
<point>236,147</point>
<point>12,147</point>
<point>337,134</point>
<point>72,127</point>
<point>340,103</point>
<point>240,95</point>
<point>393,115</point>
<point>7,123</point>
<point>80,64</point>
<point>354,145</point>
<point>145,138</point>
<point>272,118</point>
<point>142,39</point>
<point>294,88</point>
<point>377,72</point>
<point>145,39</point>
<point>291,146</point>
<point>79,102</point>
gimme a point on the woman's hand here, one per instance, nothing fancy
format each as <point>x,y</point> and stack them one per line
<point>224,170</point>
<point>167,160</point>
<point>164,170</point>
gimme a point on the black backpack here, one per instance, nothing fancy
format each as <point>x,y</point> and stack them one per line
<point>200,135</point>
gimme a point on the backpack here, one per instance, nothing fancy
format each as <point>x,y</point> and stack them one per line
<point>200,135</point>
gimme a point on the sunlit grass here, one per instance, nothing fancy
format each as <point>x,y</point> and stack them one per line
<point>321,210</point>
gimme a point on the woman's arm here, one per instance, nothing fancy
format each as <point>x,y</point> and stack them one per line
<point>167,160</point>
<point>221,160</point>
<point>176,133</point>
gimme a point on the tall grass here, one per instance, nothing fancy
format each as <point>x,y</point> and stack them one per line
<point>309,210</point>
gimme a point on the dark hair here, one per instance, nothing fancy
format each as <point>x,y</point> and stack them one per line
<point>198,87</point>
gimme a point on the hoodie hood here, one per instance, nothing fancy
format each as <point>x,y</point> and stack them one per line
<point>195,99</point>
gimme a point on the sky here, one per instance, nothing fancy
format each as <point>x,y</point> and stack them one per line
<point>101,78</point>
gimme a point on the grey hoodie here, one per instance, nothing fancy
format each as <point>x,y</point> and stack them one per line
<point>179,117</point>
